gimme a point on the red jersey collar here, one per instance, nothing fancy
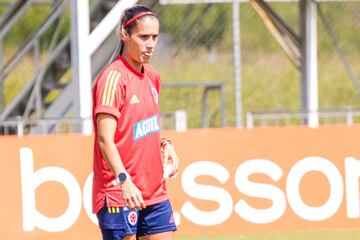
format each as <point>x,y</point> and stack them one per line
<point>133,70</point>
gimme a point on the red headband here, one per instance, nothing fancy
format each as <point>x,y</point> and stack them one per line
<point>136,17</point>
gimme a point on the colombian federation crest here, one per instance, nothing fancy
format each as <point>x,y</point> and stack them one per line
<point>155,95</point>
<point>132,218</point>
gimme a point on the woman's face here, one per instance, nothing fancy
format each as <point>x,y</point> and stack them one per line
<point>140,44</point>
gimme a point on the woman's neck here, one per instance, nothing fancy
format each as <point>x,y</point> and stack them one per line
<point>135,65</point>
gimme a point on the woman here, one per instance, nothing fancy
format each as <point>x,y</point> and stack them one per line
<point>129,192</point>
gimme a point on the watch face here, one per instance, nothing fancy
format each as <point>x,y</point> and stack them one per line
<point>122,177</point>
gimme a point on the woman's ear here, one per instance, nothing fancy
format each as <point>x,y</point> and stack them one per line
<point>124,35</point>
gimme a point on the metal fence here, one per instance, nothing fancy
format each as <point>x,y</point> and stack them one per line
<point>195,45</point>
<point>288,117</point>
<point>178,120</point>
<point>19,126</point>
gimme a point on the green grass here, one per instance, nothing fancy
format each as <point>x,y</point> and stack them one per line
<point>18,79</point>
<point>329,235</point>
<point>269,81</point>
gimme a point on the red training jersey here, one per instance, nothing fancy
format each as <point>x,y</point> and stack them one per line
<point>133,99</point>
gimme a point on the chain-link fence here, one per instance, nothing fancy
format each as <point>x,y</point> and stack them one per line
<point>196,46</point>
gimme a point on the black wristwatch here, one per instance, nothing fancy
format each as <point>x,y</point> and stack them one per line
<point>122,177</point>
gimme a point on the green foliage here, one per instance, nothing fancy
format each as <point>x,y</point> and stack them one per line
<point>63,23</point>
<point>201,38</point>
<point>336,89</point>
<point>30,22</point>
<point>26,25</point>
<point>2,10</point>
<point>195,25</point>
<point>269,82</point>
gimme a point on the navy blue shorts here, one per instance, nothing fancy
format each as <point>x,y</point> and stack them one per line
<point>116,222</point>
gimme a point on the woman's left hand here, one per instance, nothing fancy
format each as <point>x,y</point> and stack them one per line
<point>170,157</point>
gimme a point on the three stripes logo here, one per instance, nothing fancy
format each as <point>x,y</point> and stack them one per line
<point>113,210</point>
<point>110,88</point>
<point>134,100</point>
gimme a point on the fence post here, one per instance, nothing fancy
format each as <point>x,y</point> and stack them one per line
<point>204,107</point>
<point>249,120</point>
<point>180,120</point>
<point>349,117</point>
<point>20,127</point>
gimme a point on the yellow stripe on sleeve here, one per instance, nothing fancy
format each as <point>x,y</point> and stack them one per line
<point>112,95</point>
<point>110,89</point>
<point>106,89</point>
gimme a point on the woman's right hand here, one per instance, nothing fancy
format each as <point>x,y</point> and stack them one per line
<point>132,195</point>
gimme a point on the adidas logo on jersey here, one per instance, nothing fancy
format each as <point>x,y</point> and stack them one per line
<point>134,100</point>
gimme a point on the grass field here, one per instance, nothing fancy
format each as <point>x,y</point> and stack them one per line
<point>269,81</point>
<point>329,235</point>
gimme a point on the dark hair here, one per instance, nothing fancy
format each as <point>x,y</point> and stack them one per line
<point>130,13</point>
<point>127,15</point>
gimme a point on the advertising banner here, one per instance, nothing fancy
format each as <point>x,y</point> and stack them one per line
<point>230,181</point>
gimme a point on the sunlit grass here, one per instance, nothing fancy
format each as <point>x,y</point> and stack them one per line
<point>269,82</point>
<point>321,235</point>
<point>18,79</point>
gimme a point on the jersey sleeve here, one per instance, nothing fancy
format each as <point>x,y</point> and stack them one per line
<point>109,94</point>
